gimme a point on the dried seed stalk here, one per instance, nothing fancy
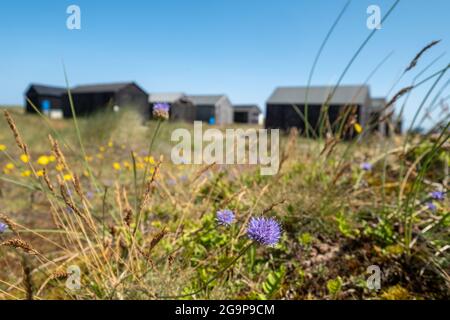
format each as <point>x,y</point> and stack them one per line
<point>19,244</point>
<point>421,52</point>
<point>58,153</point>
<point>47,181</point>
<point>16,133</point>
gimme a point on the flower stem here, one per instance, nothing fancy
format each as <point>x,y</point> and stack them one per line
<point>218,274</point>
<point>158,126</point>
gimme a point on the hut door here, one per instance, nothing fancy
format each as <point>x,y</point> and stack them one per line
<point>45,106</point>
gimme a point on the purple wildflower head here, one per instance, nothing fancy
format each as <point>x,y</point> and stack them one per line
<point>161,111</point>
<point>431,206</point>
<point>437,195</point>
<point>3,227</point>
<point>366,166</point>
<point>171,182</point>
<point>266,231</point>
<point>225,217</point>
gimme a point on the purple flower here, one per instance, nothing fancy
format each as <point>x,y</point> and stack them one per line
<point>266,231</point>
<point>437,195</point>
<point>161,111</point>
<point>3,227</point>
<point>225,217</point>
<point>171,182</point>
<point>431,206</point>
<point>366,166</point>
<point>161,106</point>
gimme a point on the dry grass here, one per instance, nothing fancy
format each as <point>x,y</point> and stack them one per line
<point>161,240</point>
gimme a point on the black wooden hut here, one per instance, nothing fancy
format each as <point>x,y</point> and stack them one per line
<point>285,102</point>
<point>88,99</point>
<point>44,98</point>
<point>246,113</point>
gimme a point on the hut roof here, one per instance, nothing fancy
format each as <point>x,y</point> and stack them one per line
<point>97,88</point>
<point>246,107</point>
<point>205,99</point>
<point>378,103</point>
<point>318,95</point>
<point>168,97</point>
<point>47,90</point>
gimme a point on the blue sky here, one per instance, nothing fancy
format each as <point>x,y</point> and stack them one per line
<point>242,48</point>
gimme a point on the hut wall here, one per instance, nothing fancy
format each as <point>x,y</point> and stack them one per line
<point>133,97</point>
<point>285,116</point>
<point>55,102</point>
<point>37,100</point>
<point>87,103</point>
<point>205,113</point>
<point>180,111</point>
<point>241,117</point>
<point>224,111</point>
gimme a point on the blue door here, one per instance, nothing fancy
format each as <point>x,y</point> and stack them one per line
<point>45,105</point>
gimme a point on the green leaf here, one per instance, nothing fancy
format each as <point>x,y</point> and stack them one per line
<point>273,282</point>
<point>334,286</point>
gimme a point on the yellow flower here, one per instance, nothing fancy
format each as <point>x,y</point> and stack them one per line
<point>102,149</point>
<point>51,158</point>
<point>2,147</point>
<point>149,160</point>
<point>10,166</point>
<point>43,160</point>
<point>140,165</point>
<point>59,167</point>
<point>24,158</point>
<point>110,144</point>
<point>358,127</point>
<point>86,173</point>
<point>67,177</point>
<point>156,223</point>
<point>26,173</point>
<point>88,158</point>
<point>127,165</point>
<point>40,173</point>
<point>151,171</point>
<point>116,166</point>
